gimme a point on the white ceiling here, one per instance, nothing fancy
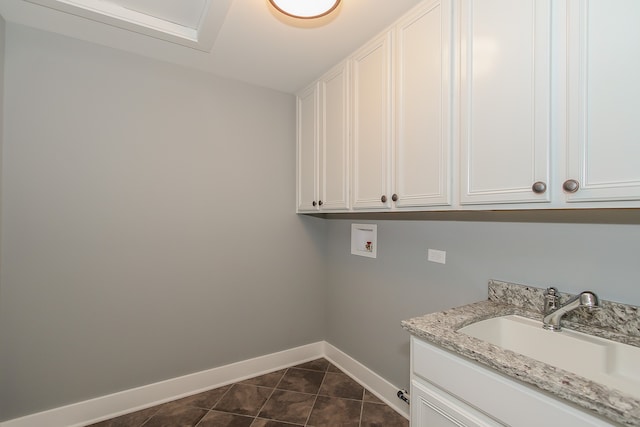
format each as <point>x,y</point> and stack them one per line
<point>245,40</point>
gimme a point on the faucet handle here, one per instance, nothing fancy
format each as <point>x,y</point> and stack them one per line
<point>551,300</point>
<point>590,301</point>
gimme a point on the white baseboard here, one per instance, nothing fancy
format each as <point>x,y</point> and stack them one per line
<point>380,387</point>
<point>116,404</point>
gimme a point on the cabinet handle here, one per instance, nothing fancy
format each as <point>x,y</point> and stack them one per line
<point>320,203</point>
<point>539,187</point>
<point>571,186</point>
<point>314,203</point>
<point>383,199</point>
<point>394,197</point>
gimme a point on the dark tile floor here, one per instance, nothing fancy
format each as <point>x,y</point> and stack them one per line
<point>311,394</point>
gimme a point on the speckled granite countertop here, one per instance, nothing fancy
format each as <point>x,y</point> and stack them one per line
<point>613,321</point>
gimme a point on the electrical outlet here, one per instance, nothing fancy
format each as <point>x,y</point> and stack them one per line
<point>435,255</point>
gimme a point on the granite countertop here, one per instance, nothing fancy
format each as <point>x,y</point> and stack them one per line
<point>614,321</point>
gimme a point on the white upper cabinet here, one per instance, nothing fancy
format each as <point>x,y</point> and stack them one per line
<point>422,143</point>
<point>479,104</point>
<point>603,145</point>
<point>505,107</point>
<point>371,135</point>
<point>307,153</point>
<point>402,144</point>
<point>323,143</point>
<point>334,139</point>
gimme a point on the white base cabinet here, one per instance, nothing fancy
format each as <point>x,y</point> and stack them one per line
<point>448,390</point>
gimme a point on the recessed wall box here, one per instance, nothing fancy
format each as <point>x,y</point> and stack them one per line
<point>364,240</point>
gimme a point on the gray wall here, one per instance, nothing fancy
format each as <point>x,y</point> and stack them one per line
<point>367,298</point>
<point>148,225</point>
<point>2,45</point>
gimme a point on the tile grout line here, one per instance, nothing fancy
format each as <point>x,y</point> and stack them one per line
<point>148,419</point>
<point>315,399</point>
<point>271,394</point>
<point>364,392</point>
<point>202,418</point>
<point>214,405</point>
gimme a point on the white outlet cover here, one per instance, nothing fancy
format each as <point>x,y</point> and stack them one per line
<point>435,255</point>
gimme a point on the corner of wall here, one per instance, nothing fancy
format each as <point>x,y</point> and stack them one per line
<point>2,66</point>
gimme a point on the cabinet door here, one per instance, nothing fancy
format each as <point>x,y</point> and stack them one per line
<point>604,99</point>
<point>431,407</point>
<point>334,138</point>
<point>372,124</point>
<point>423,103</point>
<point>307,143</point>
<point>505,100</point>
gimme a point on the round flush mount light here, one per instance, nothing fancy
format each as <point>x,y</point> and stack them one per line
<point>305,9</point>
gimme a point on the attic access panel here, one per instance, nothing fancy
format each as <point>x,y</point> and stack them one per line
<point>191,23</point>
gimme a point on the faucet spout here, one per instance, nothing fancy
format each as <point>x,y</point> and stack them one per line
<point>553,315</point>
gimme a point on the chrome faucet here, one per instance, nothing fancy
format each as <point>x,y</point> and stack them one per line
<point>553,311</point>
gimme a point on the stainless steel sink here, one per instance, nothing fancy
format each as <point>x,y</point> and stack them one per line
<point>607,362</point>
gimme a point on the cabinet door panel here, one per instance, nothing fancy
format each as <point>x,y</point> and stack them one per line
<point>334,182</point>
<point>423,135</point>
<point>505,100</point>
<point>372,124</point>
<point>604,99</point>
<point>307,106</point>
<point>433,408</point>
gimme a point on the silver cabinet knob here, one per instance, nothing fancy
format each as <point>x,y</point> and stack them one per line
<point>383,199</point>
<point>571,186</point>
<point>539,187</point>
<point>394,197</point>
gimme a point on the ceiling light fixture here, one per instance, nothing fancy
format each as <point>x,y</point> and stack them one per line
<point>305,9</point>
